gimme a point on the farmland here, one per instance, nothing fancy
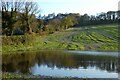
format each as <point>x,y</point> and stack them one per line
<point>93,38</point>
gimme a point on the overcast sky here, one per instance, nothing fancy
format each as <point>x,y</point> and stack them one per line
<point>91,7</point>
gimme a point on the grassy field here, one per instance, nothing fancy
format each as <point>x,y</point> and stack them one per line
<point>95,38</point>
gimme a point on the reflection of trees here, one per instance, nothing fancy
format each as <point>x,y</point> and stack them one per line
<point>59,60</point>
<point>21,62</point>
<point>101,62</point>
<point>24,61</point>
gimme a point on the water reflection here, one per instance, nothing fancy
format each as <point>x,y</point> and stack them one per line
<point>25,62</point>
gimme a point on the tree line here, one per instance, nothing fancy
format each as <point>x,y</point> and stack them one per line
<point>19,18</point>
<point>101,18</point>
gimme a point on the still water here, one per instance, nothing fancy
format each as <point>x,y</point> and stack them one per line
<point>63,64</point>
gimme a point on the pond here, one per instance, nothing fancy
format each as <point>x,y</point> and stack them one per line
<point>81,64</point>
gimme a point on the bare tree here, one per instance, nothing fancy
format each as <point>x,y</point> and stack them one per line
<point>10,11</point>
<point>30,9</point>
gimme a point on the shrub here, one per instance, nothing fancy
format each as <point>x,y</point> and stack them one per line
<point>15,40</point>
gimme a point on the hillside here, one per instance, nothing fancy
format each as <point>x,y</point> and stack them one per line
<point>95,38</point>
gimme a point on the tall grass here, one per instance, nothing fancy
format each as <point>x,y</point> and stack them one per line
<point>16,40</point>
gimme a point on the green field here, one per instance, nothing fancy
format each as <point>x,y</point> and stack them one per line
<point>94,38</point>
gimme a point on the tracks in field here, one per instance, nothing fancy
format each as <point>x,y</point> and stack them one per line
<point>94,35</point>
<point>82,38</point>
